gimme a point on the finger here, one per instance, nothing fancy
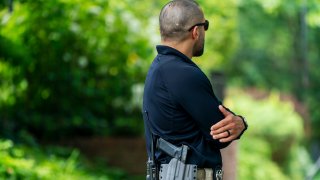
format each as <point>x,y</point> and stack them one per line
<point>223,137</point>
<point>222,129</point>
<point>224,111</point>
<point>219,124</point>
<point>224,134</point>
<point>222,122</point>
<point>232,137</point>
<point>228,132</point>
<point>227,139</point>
<point>227,120</point>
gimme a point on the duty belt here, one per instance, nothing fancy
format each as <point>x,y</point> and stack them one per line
<point>177,169</point>
<point>190,173</point>
<point>208,173</point>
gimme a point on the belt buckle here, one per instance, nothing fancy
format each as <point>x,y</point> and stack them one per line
<point>219,174</point>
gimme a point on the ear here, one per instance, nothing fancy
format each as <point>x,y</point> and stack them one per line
<point>195,33</point>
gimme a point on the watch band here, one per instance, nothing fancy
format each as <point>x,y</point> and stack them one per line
<point>245,125</point>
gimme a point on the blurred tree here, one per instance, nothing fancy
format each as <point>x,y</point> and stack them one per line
<point>76,62</point>
<point>272,148</point>
<point>278,49</point>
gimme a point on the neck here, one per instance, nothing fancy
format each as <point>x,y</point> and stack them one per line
<point>184,47</point>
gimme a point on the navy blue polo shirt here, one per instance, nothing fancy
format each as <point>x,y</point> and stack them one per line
<point>181,107</point>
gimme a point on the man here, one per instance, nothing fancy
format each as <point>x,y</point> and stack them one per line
<point>179,103</point>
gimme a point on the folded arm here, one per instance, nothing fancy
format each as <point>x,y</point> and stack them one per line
<point>230,128</point>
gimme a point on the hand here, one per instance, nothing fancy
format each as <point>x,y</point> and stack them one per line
<point>231,123</point>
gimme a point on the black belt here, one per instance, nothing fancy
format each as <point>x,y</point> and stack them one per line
<point>193,173</point>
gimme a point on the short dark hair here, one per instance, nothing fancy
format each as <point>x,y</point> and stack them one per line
<point>176,17</point>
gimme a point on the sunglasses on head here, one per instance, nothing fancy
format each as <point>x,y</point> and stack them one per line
<point>205,25</point>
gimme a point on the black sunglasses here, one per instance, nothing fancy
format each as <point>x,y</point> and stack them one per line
<point>205,25</point>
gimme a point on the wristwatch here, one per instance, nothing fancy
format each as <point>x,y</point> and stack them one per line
<point>244,122</point>
<point>245,125</point>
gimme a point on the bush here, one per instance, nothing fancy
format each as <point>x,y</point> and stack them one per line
<point>272,146</point>
<point>21,162</point>
<point>68,66</point>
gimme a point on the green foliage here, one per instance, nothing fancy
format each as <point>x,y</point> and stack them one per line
<point>221,38</point>
<point>255,161</point>
<point>272,146</point>
<point>20,162</point>
<point>276,50</point>
<point>67,65</point>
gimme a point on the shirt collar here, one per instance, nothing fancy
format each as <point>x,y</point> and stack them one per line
<point>167,50</point>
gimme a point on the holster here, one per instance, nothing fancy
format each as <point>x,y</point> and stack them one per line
<point>177,170</point>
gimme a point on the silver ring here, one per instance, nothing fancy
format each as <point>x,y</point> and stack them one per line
<point>228,133</point>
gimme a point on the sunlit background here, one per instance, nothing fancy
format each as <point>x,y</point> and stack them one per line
<point>72,75</point>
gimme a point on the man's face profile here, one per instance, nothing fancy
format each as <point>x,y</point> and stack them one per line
<point>199,45</point>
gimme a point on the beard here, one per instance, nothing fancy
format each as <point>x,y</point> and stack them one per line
<point>198,47</point>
